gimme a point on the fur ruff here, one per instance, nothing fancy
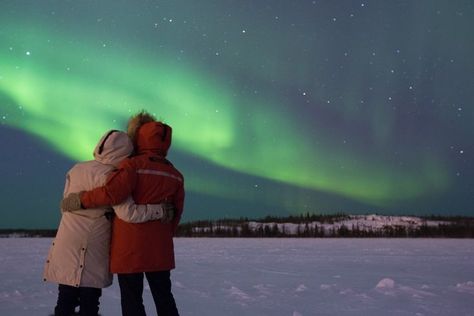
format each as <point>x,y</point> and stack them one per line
<point>136,122</point>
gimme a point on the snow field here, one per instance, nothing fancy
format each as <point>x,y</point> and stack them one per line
<point>291,277</point>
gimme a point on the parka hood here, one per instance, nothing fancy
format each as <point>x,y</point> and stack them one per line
<point>154,137</point>
<point>113,147</point>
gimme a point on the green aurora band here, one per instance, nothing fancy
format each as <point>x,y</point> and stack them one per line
<point>69,100</point>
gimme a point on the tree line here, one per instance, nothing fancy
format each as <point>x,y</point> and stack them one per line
<point>270,226</point>
<point>302,226</point>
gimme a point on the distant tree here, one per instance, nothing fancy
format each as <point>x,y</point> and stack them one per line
<point>306,231</point>
<point>235,231</point>
<point>245,230</point>
<point>343,231</point>
<point>275,231</point>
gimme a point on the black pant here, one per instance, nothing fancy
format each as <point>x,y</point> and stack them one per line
<point>131,292</point>
<point>69,297</point>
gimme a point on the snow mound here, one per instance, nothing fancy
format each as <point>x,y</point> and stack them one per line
<point>239,295</point>
<point>466,287</point>
<point>263,290</point>
<point>388,286</point>
<point>327,286</point>
<point>301,288</point>
<point>385,284</point>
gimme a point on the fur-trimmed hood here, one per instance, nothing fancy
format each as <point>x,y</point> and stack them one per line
<point>136,122</point>
<point>113,147</point>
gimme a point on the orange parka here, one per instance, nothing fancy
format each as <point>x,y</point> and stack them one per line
<point>150,179</point>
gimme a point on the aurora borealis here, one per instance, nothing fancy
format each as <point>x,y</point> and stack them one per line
<point>278,107</point>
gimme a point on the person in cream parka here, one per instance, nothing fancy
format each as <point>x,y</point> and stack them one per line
<point>78,259</point>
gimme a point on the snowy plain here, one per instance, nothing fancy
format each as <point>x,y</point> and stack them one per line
<point>287,277</point>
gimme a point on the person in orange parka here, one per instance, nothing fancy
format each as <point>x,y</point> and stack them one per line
<point>144,248</point>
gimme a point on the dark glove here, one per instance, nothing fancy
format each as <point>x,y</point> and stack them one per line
<point>72,202</point>
<point>168,213</point>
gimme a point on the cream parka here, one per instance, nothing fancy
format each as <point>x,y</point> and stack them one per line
<point>79,255</point>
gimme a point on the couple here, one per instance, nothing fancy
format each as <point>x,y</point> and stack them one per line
<point>147,196</point>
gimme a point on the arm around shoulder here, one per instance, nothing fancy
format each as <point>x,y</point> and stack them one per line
<point>118,187</point>
<point>130,212</point>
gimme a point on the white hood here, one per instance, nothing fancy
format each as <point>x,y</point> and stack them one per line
<point>113,147</point>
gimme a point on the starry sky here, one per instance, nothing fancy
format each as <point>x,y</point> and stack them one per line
<point>277,107</point>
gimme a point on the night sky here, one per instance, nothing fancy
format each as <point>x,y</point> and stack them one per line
<point>278,107</point>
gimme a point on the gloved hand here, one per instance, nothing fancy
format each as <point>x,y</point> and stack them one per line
<point>168,212</point>
<point>72,202</point>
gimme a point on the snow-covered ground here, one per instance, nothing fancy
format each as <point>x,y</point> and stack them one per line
<point>290,277</point>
